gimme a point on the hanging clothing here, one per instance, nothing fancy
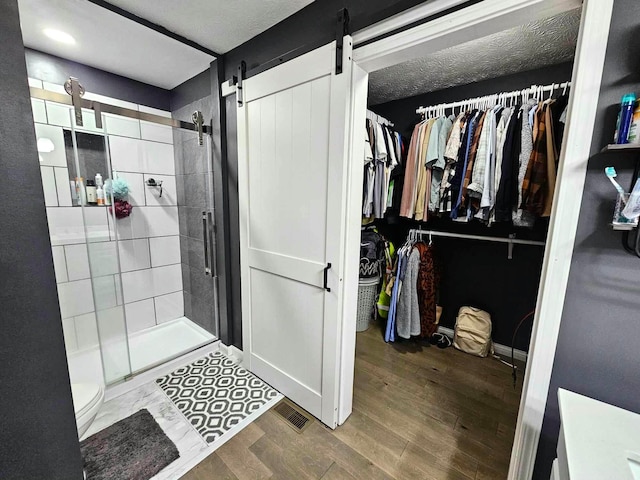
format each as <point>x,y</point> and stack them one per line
<point>407,319</point>
<point>436,160</point>
<point>535,185</point>
<point>507,196</point>
<point>521,217</point>
<point>426,290</point>
<point>552,160</point>
<point>424,174</point>
<point>408,191</point>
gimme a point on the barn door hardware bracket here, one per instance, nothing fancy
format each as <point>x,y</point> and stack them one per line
<point>72,87</point>
<point>242,73</point>
<point>342,29</point>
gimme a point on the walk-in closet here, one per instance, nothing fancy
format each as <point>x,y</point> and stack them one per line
<point>461,156</point>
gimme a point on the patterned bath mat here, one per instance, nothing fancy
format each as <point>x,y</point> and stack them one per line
<point>215,394</point>
<point>135,448</point>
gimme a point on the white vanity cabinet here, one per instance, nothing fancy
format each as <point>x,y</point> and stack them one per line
<point>597,441</point>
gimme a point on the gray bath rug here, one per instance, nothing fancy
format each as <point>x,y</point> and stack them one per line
<point>134,448</point>
<point>215,394</point>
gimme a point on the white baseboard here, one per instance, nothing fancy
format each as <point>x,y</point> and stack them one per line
<point>233,352</point>
<point>502,350</point>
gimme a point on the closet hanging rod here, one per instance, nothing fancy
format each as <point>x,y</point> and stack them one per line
<point>532,90</point>
<point>510,241</point>
<point>65,99</point>
<point>374,117</point>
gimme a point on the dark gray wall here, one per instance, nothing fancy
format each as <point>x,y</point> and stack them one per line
<point>57,70</point>
<point>193,174</point>
<point>38,437</point>
<point>597,353</point>
<point>513,291</point>
<point>310,28</point>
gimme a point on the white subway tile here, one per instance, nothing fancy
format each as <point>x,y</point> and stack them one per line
<point>49,186</point>
<point>137,285</point>
<point>156,132</point>
<point>103,258</point>
<point>167,279</point>
<point>152,194</point>
<point>86,331</point>
<point>125,154</point>
<point>133,226</point>
<point>122,126</point>
<point>34,82</point>
<point>154,111</point>
<point>104,292</point>
<point>54,87</point>
<point>162,221</point>
<point>158,158</point>
<point>51,149</point>
<point>134,254</point>
<point>164,250</point>
<point>97,224</point>
<point>69,332</point>
<point>60,264</point>
<point>63,187</point>
<point>136,187</point>
<point>65,225</point>
<point>77,262</point>
<point>58,114</point>
<point>111,323</point>
<point>76,298</point>
<point>169,307</point>
<point>140,315</point>
<point>39,110</point>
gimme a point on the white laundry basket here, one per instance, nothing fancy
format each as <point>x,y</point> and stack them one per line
<point>367,297</point>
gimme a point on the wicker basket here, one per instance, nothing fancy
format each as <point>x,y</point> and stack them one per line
<point>367,297</point>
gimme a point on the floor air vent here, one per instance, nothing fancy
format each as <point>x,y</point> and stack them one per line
<point>293,416</point>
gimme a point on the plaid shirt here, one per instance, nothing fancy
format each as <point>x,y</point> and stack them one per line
<point>534,186</point>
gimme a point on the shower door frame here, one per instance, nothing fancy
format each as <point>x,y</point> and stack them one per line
<point>99,109</point>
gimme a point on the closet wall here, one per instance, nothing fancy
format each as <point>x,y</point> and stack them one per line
<point>479,273</point>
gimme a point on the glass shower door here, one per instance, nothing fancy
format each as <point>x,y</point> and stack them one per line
<point>90,181</point>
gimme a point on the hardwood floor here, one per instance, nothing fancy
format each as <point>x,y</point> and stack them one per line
<point>419,413</point>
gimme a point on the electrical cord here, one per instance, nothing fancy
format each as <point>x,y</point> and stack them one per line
<point>513,341</point>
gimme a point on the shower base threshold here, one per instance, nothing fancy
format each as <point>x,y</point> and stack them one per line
<point>148,348</point>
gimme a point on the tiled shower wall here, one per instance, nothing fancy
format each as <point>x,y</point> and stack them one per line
<point>194,183</point>
<point>149,240</point>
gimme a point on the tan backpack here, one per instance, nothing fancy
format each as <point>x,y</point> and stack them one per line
<point>473,332</point>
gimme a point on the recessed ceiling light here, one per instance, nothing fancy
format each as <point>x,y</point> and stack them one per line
<point>59,36</point>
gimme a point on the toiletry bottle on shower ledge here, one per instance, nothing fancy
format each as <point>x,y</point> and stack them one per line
<point>100,195</point>
<point>91,193</point>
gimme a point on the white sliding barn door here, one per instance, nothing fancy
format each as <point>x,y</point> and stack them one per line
<point>294,146</point>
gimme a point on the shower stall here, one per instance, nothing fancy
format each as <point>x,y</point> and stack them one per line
<point>130,209</point>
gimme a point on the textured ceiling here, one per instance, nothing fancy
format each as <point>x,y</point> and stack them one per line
<point>217,24</point>
<point>528,47</point>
